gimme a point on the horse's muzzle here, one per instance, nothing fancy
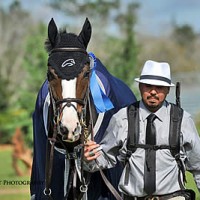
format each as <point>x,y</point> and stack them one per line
<point>70,136</point>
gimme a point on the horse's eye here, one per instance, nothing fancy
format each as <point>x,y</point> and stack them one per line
<point>50,76</point>
<point>86,74</point>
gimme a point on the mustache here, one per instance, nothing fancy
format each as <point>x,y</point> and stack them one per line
<point>153,97</point>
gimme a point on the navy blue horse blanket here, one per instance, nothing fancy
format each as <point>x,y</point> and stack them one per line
<point>121,96</point>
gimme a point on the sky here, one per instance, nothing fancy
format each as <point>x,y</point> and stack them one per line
<point>154,16</point>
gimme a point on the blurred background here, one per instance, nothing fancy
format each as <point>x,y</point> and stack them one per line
<point>125,33</point>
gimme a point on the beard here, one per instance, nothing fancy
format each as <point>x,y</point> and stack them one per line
<point>152,103</point>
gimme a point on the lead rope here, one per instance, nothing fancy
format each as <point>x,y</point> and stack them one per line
<point>49,165</point>
<point>84,136</point>
<point>50,154</point>
<point>107,182</point>
<point>109,185</point>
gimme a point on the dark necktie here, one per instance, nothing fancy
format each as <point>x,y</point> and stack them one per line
<point>150,154</point>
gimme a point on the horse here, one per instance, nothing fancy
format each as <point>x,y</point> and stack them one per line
<point>75,102</point>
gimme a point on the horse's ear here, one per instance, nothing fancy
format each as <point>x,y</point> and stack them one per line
<point>52,32</point>
<point>85,33</point>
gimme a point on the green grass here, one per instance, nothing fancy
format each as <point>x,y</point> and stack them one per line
<point>12,187</point>
<point>191,185</point>
<point>14,197</point>
<point>10,190</point>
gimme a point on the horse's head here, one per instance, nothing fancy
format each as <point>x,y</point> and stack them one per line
<point>68,77</point>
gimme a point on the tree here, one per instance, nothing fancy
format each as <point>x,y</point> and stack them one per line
<point>22,69</point>
<point>184,35</point>
<point>122,59</point>
<point>185,39</point>
<point>97,9</point>
<point>126,69</point>
<point>13,23</point>
<point>35,68</point>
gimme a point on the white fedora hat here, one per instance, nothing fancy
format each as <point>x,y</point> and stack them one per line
<point>155,73</point>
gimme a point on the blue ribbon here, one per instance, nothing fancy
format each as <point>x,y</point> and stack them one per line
<point>101,100</point>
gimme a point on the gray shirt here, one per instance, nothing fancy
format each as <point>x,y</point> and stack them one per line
<point>114,147</point>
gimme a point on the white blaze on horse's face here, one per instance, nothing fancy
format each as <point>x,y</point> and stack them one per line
<point>69,116</point>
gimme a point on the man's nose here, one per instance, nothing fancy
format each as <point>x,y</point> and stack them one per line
<point>153,90</point>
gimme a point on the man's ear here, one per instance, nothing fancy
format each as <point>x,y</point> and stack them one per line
<point>168,90</point>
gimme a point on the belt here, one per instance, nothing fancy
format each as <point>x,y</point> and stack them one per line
<point>159,197</point>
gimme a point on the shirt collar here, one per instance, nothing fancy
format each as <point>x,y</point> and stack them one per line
<point>161,113</point>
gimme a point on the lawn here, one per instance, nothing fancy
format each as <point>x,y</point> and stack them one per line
<point>13,187</point>
<point>191,185</point>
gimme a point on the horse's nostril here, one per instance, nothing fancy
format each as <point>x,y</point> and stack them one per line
<point>77,130</point>
<point>64,130</point>
<point>64,137</point>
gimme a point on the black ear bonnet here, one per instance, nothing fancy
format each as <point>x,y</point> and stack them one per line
<point>67,51</point>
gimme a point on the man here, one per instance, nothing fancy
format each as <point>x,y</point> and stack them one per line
<point>153,171</point>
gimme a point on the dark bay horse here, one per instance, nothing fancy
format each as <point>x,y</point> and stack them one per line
<point>75,103</point>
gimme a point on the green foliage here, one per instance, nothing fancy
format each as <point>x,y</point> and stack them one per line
<point>123,53</point>
<point>12,118</point>
<point>11,53</point>
<point>118,61</point>
<point>32,70</point>
<point>11,73</point>
<point>35,60</point>
<point>35,65</point>
<point>4,94</point>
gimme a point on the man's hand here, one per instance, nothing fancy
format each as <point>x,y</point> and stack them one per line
<point>91,150</point>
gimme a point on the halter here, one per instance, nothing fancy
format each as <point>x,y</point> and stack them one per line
<point>58,110</point>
